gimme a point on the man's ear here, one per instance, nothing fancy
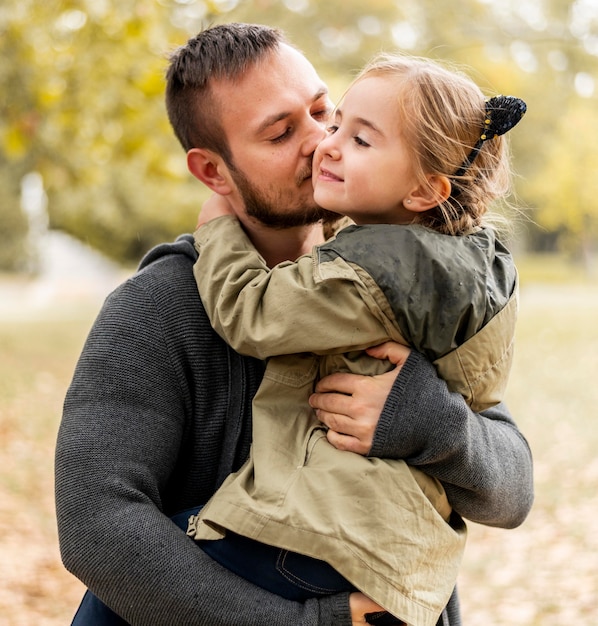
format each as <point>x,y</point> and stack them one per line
<point>424,197</point>
<point>210,169</point>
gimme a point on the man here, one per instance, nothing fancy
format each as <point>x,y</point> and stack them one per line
<point>159,410</point>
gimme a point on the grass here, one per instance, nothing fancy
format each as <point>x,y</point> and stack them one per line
<point>550,268</point>
<point>38,357</point>
<point>542,573</point>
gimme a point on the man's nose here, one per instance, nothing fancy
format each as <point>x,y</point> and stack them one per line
<point>316,131</point>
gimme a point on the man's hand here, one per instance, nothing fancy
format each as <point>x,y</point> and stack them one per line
<point>360,605</point>
<point>350,405</point>
<point>215,206</point>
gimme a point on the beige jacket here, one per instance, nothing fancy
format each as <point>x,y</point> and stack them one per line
<point>383,525</point>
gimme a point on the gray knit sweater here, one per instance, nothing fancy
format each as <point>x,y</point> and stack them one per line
<point>158,414</point>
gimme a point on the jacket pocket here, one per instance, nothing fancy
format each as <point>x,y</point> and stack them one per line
<point>293,370</point>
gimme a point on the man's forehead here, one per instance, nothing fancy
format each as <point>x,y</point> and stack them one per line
<point>262,98</point>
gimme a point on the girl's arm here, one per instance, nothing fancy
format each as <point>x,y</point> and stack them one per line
<point>258,311</point>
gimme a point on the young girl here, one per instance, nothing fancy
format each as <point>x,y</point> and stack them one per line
<point>414,156</point>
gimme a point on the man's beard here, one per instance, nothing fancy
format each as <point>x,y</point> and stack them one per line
<point>272,211</point>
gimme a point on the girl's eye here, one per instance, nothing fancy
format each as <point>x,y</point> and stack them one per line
<point>360,142</point>
<point>331,129</point>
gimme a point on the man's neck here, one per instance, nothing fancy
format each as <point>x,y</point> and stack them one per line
<point>288,244</point>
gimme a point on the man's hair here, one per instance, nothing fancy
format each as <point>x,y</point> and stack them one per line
<point>221,52</point>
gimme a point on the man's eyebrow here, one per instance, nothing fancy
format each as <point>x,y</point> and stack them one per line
<point>323,91</point>
<point>271,120</point>
<point>277,117</point>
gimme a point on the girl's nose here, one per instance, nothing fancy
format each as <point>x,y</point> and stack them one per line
<point>328,146</point>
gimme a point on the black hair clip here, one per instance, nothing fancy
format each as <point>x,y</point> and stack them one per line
<point>502,114</point>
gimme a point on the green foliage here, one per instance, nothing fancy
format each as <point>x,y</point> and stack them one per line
<point>13,222</point>
<point>567,198</point>
<point>82,101</point>
<point>85,108</point>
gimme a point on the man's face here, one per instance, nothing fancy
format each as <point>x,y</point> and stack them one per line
<point>274,118</point>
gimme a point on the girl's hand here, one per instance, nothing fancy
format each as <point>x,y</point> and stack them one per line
<point>215,206</point>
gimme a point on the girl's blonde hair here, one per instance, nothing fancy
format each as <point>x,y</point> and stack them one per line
<point>441,115</point>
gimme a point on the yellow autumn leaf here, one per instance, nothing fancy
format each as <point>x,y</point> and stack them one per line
<point>14,143</point>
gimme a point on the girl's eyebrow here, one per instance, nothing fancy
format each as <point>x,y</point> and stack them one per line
<point>338,115</point>
<point>368,124</point>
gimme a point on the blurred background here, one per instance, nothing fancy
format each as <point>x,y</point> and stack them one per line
<point>91,177</point>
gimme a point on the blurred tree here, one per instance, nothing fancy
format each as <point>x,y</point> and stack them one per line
<point>557,47</point>
<point>83,95</point>
<point>18,119</point>
<point>13,222</point>
<point>82,98</point>
<point>566,199</point>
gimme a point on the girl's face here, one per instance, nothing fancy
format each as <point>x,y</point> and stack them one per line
<point>363,168</point>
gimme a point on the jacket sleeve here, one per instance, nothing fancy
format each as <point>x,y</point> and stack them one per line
<point>257,310</point>
<point>121,434</point>
<point>482,459</point>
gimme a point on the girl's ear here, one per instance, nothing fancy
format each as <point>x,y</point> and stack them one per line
<point>436,190</point>
<point>210,169</point>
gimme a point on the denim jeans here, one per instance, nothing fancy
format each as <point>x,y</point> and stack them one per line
<point>287,574</point>
<point>292,576</point>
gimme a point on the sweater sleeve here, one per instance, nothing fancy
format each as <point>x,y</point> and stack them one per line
<point>124,425</point>
<point>482,459</point>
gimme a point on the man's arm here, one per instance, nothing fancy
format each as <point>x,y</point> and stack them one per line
<point>482,459</point>
<point>122,451</point>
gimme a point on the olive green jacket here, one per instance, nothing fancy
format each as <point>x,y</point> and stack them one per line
<point>380,523</point>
